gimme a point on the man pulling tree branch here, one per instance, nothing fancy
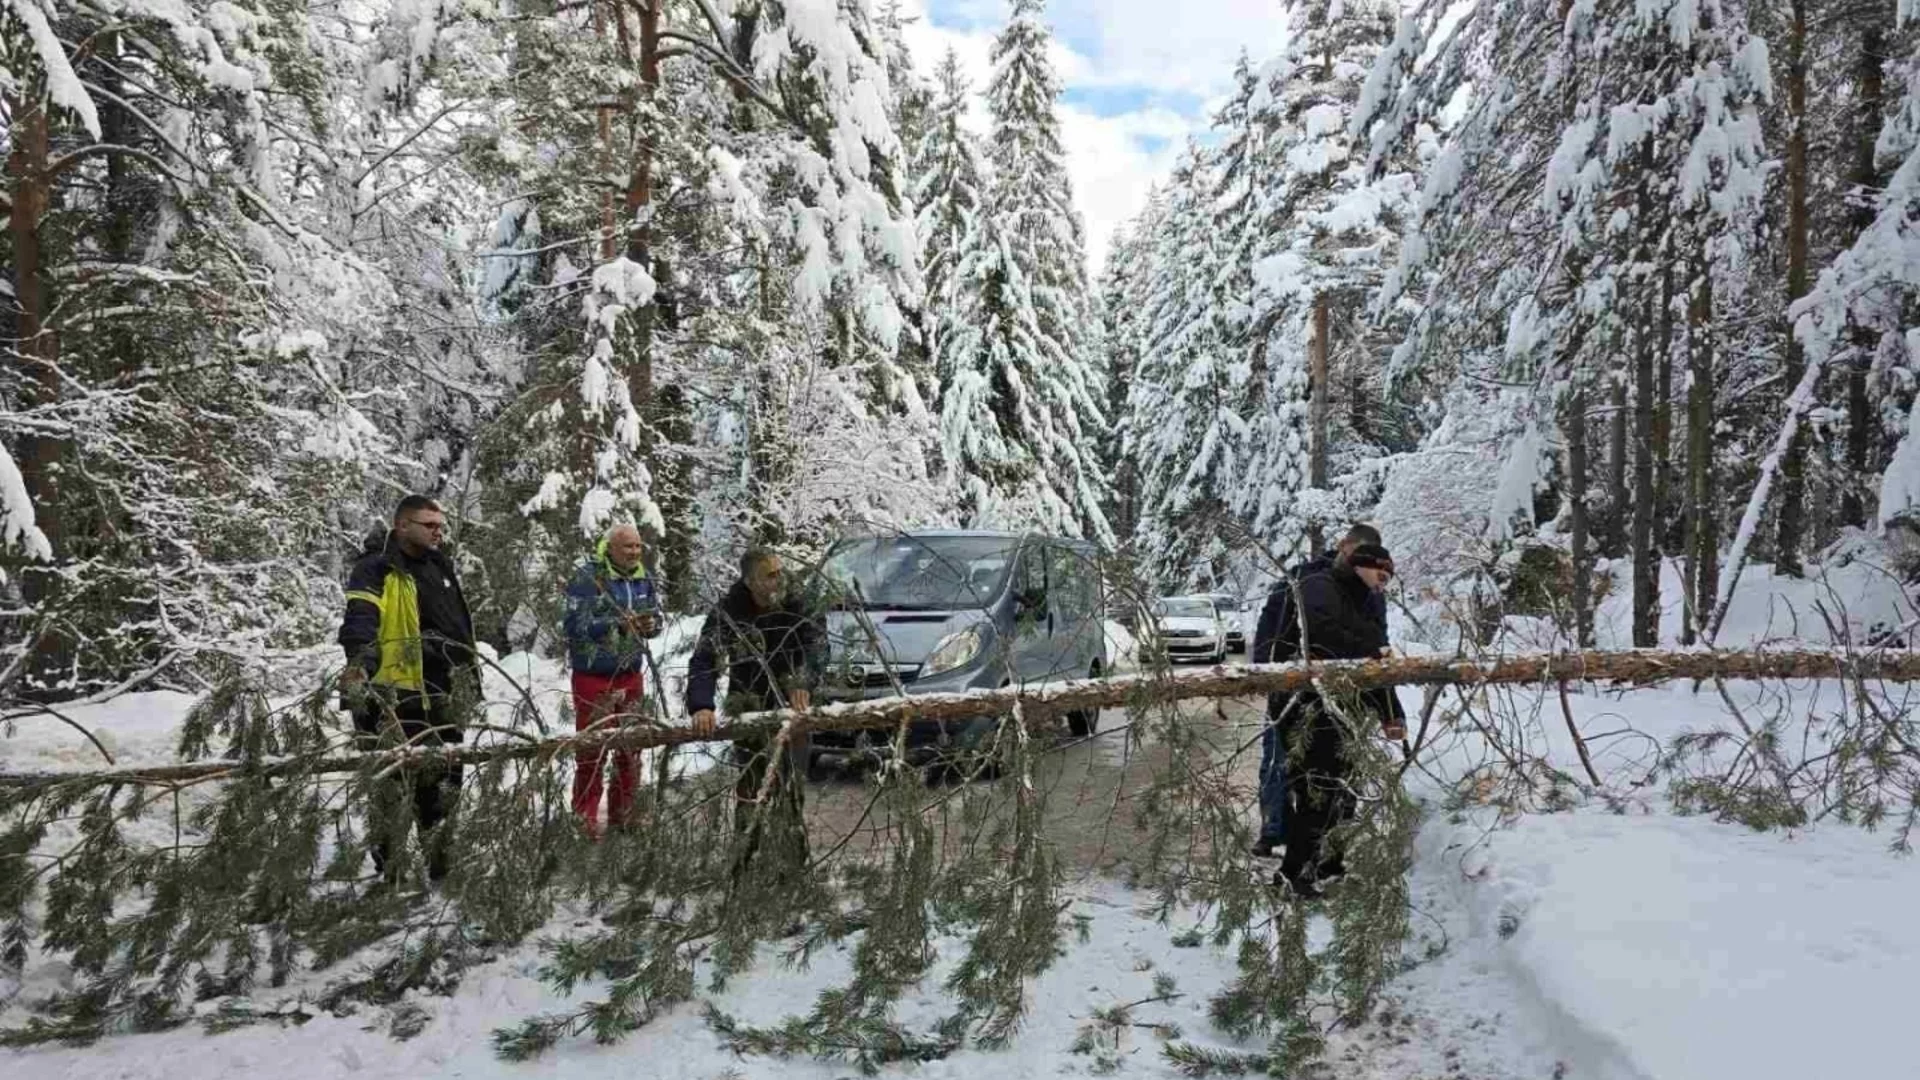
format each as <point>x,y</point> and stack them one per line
<point>771,649</point>
<point>1335,622</point>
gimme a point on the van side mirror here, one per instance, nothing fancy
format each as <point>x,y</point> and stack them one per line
<point>1032,600</point>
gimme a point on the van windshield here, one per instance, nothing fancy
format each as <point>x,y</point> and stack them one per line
<point>922,573</point>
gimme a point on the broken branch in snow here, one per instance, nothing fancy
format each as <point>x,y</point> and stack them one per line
<point>1640,667</point>
<point>1736,560</point>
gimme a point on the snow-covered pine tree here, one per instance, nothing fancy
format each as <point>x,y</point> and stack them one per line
<point>1598,191</point>
<point>184,308</point>
<point>950,188</point>
<point>1856,317</point>
<point>1124,303</point>
<point>910,107</point>
<point>1318,231</point>
<point>751,277</point>
<point>1022,411</point>
<point>1186,430</point>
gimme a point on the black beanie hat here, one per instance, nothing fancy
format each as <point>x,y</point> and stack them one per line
<point>1371,555</point>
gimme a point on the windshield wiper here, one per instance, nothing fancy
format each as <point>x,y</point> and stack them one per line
<point>869,605</point>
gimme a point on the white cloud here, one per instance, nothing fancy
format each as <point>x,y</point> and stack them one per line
<point>1189,46</point>
<point>1145,46</point>
<point>1112,170</point>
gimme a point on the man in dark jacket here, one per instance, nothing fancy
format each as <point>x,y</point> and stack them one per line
<point>771,649</point>
<point>1280,610</point>
<point>1336,623</point>
<point>411,673</point>
<point>611,611</point>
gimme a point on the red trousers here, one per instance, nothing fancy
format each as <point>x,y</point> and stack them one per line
<point>595,698</point>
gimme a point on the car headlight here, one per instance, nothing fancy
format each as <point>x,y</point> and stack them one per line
<point>956,650</point>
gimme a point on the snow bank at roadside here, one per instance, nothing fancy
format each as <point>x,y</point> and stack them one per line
<point>1644,944</point>
<point>1660,946</point>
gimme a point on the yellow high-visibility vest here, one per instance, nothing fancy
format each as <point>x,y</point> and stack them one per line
<point>403,665</point>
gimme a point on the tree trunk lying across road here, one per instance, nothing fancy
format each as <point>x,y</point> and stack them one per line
<point>1645,666</point>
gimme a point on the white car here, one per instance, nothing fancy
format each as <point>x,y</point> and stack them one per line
<point>1239,615</point>
<point>1191,628</point>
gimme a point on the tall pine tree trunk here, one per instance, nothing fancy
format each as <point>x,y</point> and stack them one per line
<point>603,122</point>
<point>666,414</point>
<point>639,201</point>
<point>1666,492</point>
<point>1619,505</point>
<point>1574,424</point>
<point>1649,438</point>
<point>37,356</point>
<point>1870,88</point>
<point>1702,527</point>
<point>1317,376</point>
<point>1646,508</point>
<point>1793,482</point>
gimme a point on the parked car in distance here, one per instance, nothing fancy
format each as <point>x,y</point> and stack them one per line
<point>946,611</point>
<point>1234,611</point>
<point>1190,628</point>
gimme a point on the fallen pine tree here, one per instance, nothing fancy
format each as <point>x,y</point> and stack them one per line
<point>1635,667</point>
<point>195,892</point>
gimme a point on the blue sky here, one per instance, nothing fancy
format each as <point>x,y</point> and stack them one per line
<point>1140,77</point>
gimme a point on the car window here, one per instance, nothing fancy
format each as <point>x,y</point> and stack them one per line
<point>1073,583</point>
<point>1180,607</point>
<point>1032,573</point>
<point>926,572</point>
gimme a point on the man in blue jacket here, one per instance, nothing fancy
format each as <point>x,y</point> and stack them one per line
<point>611,611</point>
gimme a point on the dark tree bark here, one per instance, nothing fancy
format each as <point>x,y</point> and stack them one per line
<point>1646,507</point>
<point>1702,522</point>
<point>1666,491</point>
<point>1619,505</point>
<point>1317,376</point>
<point>1574,425</point>
<point>1793,486</point>
<point>1870,88</point>
<point>37,356</point>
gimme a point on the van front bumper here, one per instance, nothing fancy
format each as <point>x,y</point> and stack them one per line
<point>927,737</point>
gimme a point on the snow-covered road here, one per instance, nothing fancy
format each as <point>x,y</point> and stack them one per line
<point>1608,941</point>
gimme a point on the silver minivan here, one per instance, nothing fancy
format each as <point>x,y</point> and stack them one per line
<point>950,611</point>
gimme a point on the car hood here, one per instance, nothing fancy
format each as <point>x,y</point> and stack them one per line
<point>1187,622</point>
<point>893,637</point>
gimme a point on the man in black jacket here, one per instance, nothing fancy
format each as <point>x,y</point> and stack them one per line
<point>1336,623</point>
<point>410,673</point>
<point>771,649</point>
<point>1280,611</point>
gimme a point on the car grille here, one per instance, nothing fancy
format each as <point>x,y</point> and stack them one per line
<point>874,676</point>
<point>1186,633</point>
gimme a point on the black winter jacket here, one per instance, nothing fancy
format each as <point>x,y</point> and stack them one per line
<point>763,651</point>
<point>1279,610</point>
<point>1340,625</point>
<point>446,627</point>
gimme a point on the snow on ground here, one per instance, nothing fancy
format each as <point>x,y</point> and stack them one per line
<point>1660,946</point>
<point>1636,945</point>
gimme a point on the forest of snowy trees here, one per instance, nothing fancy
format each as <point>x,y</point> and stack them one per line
<point>1627,280</point>
<point>1630,282</point>
<point>1587,304</point>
